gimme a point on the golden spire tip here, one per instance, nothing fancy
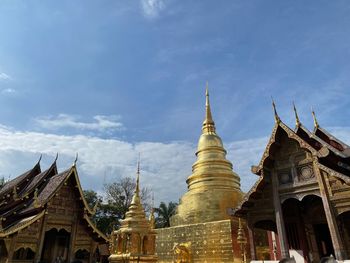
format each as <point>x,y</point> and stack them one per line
<point>316,125</point>
<point>208,124</point>
<point>277,118</point>
<point>297,121</point>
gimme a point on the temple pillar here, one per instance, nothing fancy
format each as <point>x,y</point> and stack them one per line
<point>11,249</point>
<point>339,249</point>
<point>40,243</point>
<point>72,239</point>
<point>282,235</point>
<point>251,242</point>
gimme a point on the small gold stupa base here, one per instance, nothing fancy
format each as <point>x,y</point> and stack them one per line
<point>127,257</point>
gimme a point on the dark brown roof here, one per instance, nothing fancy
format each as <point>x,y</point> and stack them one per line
<point>38,179</point>
<point>26,208</point>
<point>333,141</point>
<point>19,180</point>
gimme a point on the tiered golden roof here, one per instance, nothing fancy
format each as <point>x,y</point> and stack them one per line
<point>213,187</point>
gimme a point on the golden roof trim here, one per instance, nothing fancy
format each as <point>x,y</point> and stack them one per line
<point>334,173</point>
<point>98,232</point>
<point>292,135</point>
<point>88,208</point>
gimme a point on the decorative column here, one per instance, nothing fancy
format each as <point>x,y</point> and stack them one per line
<point>339,250</point>
<point>40,243</point>
<point>251,242</point>
<point>282,235</point>
<point>72,238</point>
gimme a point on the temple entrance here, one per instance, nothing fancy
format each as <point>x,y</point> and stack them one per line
<point>3,251</point>
<point>344,221</point>
<point>82,256</point>
<point>306,227</point>
<point>24,255</point>
<point>56,246</point>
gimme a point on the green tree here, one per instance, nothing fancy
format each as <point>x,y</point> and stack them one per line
<point>112,208</point>
<point>120,193</point>
<point>2,182</point>
<point>163,214</point>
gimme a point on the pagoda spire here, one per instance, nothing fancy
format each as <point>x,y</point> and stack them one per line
<point>297,121</point>
<point>137,188</point>
<point>208,123</point>
<point>277,118</point>
<point>316,125</point>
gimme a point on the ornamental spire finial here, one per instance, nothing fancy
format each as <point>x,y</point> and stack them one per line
<point>208,124</point>
<point>137,188</point>
<point>297,121</point>
<point>277,118</point>
<point>316,125</point>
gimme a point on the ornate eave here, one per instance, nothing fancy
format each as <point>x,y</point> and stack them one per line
<point>239,210</point>
<point>334,173</point>
<point>24,223</point>
<point>95,229</point>
<point>319,140</point>
<point>292,135</point>
<point>90,210</point>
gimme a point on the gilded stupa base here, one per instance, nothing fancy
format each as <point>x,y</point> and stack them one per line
<point>128,258</point>
<point>203,242</point>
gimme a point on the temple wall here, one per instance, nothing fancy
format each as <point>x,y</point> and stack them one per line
<point>209,242</point>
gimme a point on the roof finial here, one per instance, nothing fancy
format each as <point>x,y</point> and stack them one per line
<point>56,157</point>
<point>316,125</point>
<point>208,124</point>
<point>41,156</point>
<point>277,118</point>
<point>76,159</point>
<point>297,121</point>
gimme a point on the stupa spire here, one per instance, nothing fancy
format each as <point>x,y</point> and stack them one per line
<point>208,123</point>
<point>136,197</point>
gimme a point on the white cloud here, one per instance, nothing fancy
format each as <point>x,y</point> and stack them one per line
<point>164,166</point>
<point>4,76</point>
<point>101,123</point>
<point>152,8</point>
<point>8,91</point>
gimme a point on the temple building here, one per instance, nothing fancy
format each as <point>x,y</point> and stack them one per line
<point>202,229</point>
<point>135,240</point>
<point>302,195</point>
<point>44,217</point>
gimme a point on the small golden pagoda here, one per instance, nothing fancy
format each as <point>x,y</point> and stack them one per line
<point>135,240</point>
<point>202,229</point>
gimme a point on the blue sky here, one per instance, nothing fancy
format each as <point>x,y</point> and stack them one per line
<point>109,79</point>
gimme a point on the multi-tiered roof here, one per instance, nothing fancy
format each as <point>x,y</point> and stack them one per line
<point>26,198</point>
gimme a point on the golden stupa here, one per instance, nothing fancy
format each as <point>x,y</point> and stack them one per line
<point>202,229</point>
<point>212,187</point>
<point>135,239</point>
